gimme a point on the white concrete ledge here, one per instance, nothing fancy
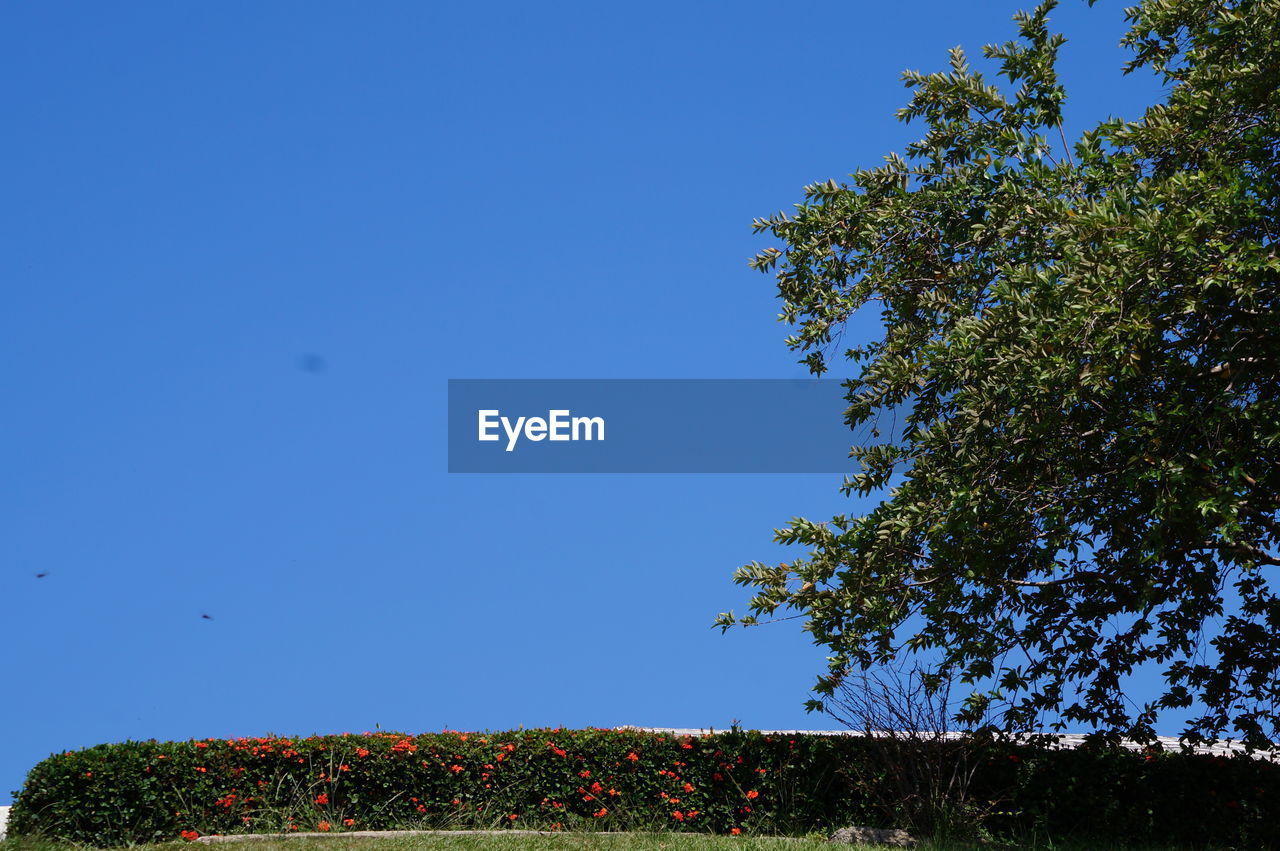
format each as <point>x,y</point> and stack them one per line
<point>1065,740</point>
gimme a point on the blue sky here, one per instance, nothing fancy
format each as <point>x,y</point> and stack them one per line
<point>244,247</point>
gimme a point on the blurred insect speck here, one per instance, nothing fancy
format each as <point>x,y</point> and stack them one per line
<point>312,363</point>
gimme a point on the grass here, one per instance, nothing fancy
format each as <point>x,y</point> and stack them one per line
<point>511,841</point>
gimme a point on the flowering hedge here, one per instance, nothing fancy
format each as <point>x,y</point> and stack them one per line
<point>735,782</point>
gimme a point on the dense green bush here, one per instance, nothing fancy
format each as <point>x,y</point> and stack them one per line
<point>614,780</point>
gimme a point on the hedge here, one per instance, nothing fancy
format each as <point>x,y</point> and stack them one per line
<point>733,782</point>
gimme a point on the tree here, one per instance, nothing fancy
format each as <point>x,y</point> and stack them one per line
<point>917,771</point>
<point>1084,341</point>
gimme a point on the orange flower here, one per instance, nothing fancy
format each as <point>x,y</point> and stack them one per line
<point>513,816</point>
<point>752,795</point>
<point>735,831</point>
<point>348,821</point>
<point>323,826</point>
<point>557,826</point>
<point>601,813</point>
<point>455,768</point>
<point>678,816</point>
<point>404,746</point>
<point>632,756</point>
<point>190,835</point>
<point>362,752</point>
<point>688,787</point>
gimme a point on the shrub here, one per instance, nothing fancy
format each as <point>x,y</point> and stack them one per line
<point>560,779</point>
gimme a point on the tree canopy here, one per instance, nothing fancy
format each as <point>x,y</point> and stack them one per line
<point>1084,342</point>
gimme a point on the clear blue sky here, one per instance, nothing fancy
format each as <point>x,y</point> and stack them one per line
<point>200,200</point>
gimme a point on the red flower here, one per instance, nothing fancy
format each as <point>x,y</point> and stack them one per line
<point>632,756</point>
<point>456,769</point>
<point>202,745</point>
<point>688,787</point>
<point>735,831</point>
<point>362,752</point>
<point>752,795</point>
<point>601,813</point>
<point>678,816</point>
<point>514,816</point>
<point>404,746</point>
<point>190,835</point>
<point>348,821</point>
<point>322,798</point>
<point>323,826</point>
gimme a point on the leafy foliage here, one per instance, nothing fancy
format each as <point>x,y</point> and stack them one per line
<point>1086,342</point>
<point>546,779</point>
<point>734,782</point>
